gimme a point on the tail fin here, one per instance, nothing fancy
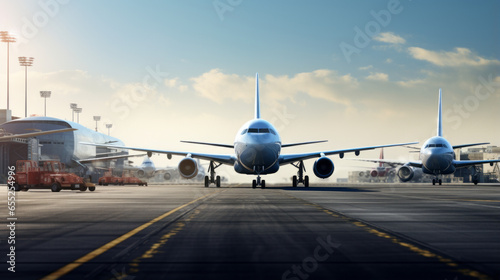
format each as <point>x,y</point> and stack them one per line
<point>440,119</point>
<point>257,97</point>
<point>381,157</point>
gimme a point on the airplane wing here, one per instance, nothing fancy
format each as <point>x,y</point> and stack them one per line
<point>87,160</point>
<point>33,134</point>
<point>232,146</point>
<point>466,163</point>
<point>302,143</point>
<point>224,159</point>
<point>468,145</point>
<point>289,158</point>
<point>391,163</point>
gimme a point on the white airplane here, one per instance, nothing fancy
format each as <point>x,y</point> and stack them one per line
<point>436,157</point>
<point>257,151</point>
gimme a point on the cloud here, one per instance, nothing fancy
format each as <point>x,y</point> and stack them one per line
<point>377,76</point>
<point>389,37</point>
<point>366,67</point>
<point>458,57</point>
<point>174,83</point>
<point>322,84</point>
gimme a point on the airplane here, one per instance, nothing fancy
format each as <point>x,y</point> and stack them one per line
<point>382,170</point>
<point>257,151</point>
<point>436,157</point>
<point>5,136</point>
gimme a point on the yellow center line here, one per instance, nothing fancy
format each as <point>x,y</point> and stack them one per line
<point>88,257</point>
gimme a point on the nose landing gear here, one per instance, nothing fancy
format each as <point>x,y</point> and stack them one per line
<point>258,181</point>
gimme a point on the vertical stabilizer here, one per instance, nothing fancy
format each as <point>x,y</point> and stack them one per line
<point>257,97</point>
<point>381,157</point>
<point>440,119</point>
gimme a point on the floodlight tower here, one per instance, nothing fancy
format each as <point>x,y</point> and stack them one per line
<point>96,119</point>
<point>45,94</point>
<point>78,111</point>
<point>108,126</point>
<point>72,106</point>
<point>26,61</point>
<point>7,38</point>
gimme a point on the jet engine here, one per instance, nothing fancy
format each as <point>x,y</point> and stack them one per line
<point>188,168</point>
<point>405,173</point>
<point>374,173</point>
<point>323,167</point>
<point>167,176</point>
<point>140,173</point>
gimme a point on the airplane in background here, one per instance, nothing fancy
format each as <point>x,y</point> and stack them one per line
<point>383,169</point>
<point>257,151</point>
<point>436,157</point>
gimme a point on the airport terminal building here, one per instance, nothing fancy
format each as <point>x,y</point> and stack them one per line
<point>65,147</point>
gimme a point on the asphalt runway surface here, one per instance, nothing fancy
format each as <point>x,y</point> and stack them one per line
<point>380,231</point>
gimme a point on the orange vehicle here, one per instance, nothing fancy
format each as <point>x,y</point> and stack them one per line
<point>50,175</point>
<point>109,178</point>
<point>125,179</point>
<point>129,179</point>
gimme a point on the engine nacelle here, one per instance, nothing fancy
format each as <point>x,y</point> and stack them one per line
<point>374,173</point>
<point>188,168</point>
<point>167,176</point>
<point>323,167</point>
<point>405,173</point>
<point>141,173</point>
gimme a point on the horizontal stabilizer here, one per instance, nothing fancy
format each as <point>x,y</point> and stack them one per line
<point>468,145</point>
<point>302,143</point>
<point>210,144</point>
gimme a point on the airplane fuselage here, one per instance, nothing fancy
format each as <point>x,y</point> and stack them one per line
<point>437,156</point>
<point>257,147</point>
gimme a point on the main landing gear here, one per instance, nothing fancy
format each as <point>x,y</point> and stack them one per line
<point>212,178</point>
<point>300,178</point>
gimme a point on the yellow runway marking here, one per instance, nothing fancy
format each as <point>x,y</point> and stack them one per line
<point>88,257</point>
<point>396,240</point>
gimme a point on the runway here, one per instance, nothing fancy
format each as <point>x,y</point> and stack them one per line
<point>380,231</point>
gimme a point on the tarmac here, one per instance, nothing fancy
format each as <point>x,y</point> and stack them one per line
<point>336,231</point>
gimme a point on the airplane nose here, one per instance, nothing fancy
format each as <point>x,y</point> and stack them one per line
<point>258,155</point>
<point>436,162</point>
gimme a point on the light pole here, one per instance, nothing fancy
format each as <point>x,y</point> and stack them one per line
<point>108,126</point>
<point>96,119</point>
<point>45,94</point>
<point>26,61</point>
<point>7,38</point>
<point>72,106</point>
<point>78,111</point>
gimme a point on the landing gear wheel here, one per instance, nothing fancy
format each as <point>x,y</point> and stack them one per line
<point>83,188</point>
<point>440,182</point>
<point>254,184</point>
<point>91,189</point>
<point>207,181</point>
<point>475,182</point>
<point>294,181</point>
<point>306,181</point>
<point>55,187</point>
<point>263,184</point>
<point>433,182</point>
<point>217,181</point>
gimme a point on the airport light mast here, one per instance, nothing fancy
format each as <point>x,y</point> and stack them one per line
<point>108,126</point>
<point>7,38</point>
<point>96,119</point>
<point>26,61</point>
<point>73,106</point>
<point>78,111</point>
<point>45,94</point>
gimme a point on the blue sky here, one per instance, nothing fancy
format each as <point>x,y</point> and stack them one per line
<point>165,68</point>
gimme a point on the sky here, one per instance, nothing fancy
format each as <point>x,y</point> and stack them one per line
<point>353,73</point>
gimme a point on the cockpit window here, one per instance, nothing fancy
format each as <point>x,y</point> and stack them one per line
<point>244,131</point>
<point>272,131</point>
<point>436,146</point>
<point>263,130</point>
<point>253,130</point>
